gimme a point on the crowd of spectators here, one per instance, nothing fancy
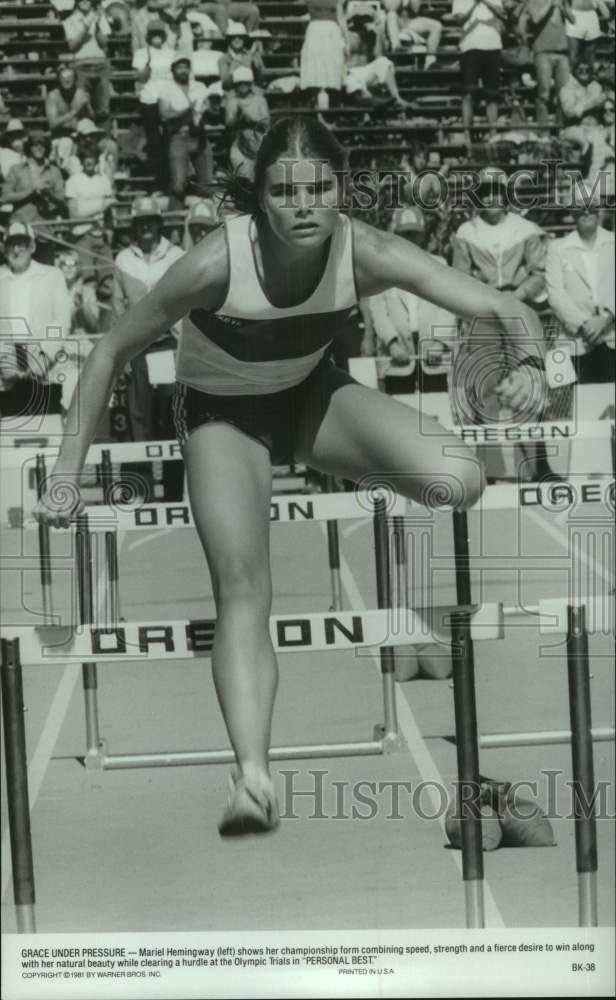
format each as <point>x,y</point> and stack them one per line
<point>200,70</point>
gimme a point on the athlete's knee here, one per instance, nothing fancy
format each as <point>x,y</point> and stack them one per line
<point>245,582</point>
<point>459,486</point>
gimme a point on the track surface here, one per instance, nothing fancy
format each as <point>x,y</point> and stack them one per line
<point>139,850</point>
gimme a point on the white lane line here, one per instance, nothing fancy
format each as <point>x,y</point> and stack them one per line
<point>148,538</point>
<point>39,761</point>
<point>559,535</point>
<point>426,764</point>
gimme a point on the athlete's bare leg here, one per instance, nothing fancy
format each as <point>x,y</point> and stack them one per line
<point>356,432</point>
<point>229,484</point>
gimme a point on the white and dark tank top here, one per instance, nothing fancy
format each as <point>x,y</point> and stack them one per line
<point>249,346</point>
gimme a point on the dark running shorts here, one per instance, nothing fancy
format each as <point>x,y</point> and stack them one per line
<point>272,419</point>
<point>481,65</point>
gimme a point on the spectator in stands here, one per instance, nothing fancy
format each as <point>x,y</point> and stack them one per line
<point>480,57</point>
<point>205,59</point>
<point>137,269</point>
<point>243,150</point>
<point>66,103</point>
<point>326,43</point>
<point>583,29</point>
<point>594,139</point>
<point>406,24</point>
<point>500,248</point>
<point>181,103</point>
<point>367,66</point>
<point>580,283</point>
<point>246,104</point>
<point>89,193</point>
<point>152,63</point>
<point>581,94</point>
<point>34,186</point>
<point>12,146</point>
<point>542,25</point>
<point>35,312</point>
<point>407,327</point>
<point>224,10</point>
<point>422,186</point>
<point>87,33</point>
<point>200,221</point>
<point>237,54</point>
<point>85,305</point>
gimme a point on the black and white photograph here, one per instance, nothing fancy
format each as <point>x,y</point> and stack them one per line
<point>307,457</point>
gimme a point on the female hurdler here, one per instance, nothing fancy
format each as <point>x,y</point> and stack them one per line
<point>261,299</point>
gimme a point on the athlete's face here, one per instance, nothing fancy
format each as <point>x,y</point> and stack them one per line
<point>300,201</point>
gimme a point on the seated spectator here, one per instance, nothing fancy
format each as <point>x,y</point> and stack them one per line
<point>89,193</point>
<point>406,326</point>
<point>181,103</point>
<point>246,104</point>
<point>224,11</point>
<point>583,29</point>
<point>322,58</point>
<point>205,59</point>
<point>153,66</point>
<point>367,66</point>
<point>542,25</point>
<point>238,54</point>
<point>11,146</point>
<point>34,186</point>
<point>594,138</point>
<point>422,186</point>
<point>35,313</point>
<point>86,308</point>
<point>87,33</point>
<point>500,248</point>
<point>405,24</point>
<point>66,103</point>
<point>482,26</point>
<point>581,94</point>
<point>580,283</point>
<point>202,218</point>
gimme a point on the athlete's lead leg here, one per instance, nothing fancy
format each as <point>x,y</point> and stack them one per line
<point>354,432</point>
<point>229,484</point>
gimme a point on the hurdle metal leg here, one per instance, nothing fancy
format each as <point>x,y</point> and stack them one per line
<point>44,544</point>
<point>583,766</point>
<point>333,549</point>
<point>16,766</point>
<point>389,731</point>
<point>83,557</point>
<point>467,744</point>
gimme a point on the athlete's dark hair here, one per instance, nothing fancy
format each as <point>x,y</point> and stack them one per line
<point>293,137</point>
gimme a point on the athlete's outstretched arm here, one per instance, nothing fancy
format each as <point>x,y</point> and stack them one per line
<point>384,260</point>
<point>199,278</point>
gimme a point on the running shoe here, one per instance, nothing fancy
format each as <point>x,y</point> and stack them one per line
<point>252,808</point>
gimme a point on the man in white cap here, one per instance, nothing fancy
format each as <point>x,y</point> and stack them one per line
<point>246,104</point>
<point>11,146</point>
<point>181,103</point>
<point>580,283</point>
<point>137,269</point>
<point>200,221</point>
<point>238,54</point>
<point>35,311</point>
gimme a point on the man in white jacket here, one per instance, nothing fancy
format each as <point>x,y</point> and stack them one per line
<point>35,312</point>
<point>580,283</point>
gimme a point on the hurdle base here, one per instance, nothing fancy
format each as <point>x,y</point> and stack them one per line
<point>179,758</point>
<point>475,917</point>
<point>24,915</point>
<point>95,757</point>
<point>391,742</point>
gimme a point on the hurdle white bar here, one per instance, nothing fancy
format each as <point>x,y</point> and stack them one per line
<point>600,614</point>
<point>13,455</point>
<point>299,633</point>
<point>555,497</point>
